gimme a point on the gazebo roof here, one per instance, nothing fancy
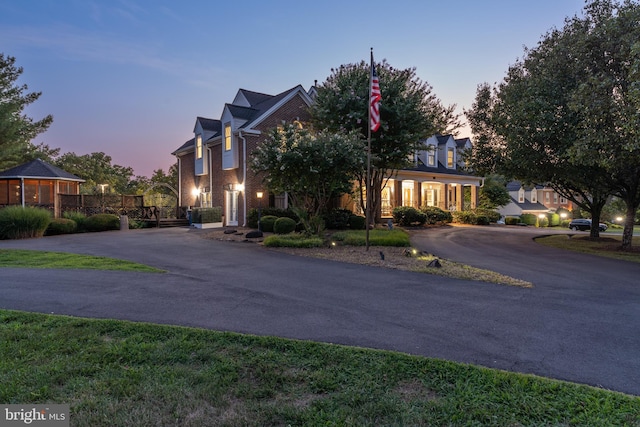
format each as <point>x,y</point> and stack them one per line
<point>39,169</point>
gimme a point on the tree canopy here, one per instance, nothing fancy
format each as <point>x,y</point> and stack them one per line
<point>567,114</point>
<point>16,128</point>
<point>409,112</point>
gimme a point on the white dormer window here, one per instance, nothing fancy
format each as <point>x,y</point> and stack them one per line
<point>431,157</point>
<point>450,158</point>
<point>521,195</point>
<point>534,196</point>
<point>198,146</point>
<point>227,137</point>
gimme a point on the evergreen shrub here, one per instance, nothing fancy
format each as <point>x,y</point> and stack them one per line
<point>435,215</point>
<point>252,215</point>
<point>357,222</point>
<point>102,222</point>
<point>61,226</point>
<point>206,215</point>
<point>78,217</point>
<point>512,220</point>
<point>284,225</point>
<point>267,222</point>
<point>337,219</point>
<point>407,216</point>
<point>554,219</point>
<point>529,219</point>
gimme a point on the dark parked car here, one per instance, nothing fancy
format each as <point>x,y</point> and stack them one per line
<point>584,224</point>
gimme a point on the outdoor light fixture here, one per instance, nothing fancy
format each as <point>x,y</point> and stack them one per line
<point>563,215</point>
<point>259,195</point>
<point>619,219</point>
<point>102,187</point>
<point>195,192</point>
<point>541,216</point>
<point>239,187</point>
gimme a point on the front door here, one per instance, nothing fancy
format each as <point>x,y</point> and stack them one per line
<point>231,210</point>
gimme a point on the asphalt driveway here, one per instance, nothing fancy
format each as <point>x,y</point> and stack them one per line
<point>579,323</point>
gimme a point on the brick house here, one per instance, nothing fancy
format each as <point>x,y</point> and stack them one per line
<point>213,165</point>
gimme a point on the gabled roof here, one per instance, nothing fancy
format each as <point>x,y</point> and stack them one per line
<point>212,125</point>
<point>39,169</point>
<point>260,106</point>
<point>240,112</point>
<point>529,206</point>
<point>515,186</point>
<point>442,139</point>
<point>461,142</point>
<point>254,98</point>
<point>441,169</point>
<point>185,147</point>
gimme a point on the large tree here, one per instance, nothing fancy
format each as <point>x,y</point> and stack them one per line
<point>312,168</point>
<point>99,173</point>
<point>409,112</point>
<point>567,113</point>
<point>16,128</point>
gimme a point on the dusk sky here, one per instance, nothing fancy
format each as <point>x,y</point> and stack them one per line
<point>129,77</point>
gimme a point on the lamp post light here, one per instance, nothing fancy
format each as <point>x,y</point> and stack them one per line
<point>259,195</point>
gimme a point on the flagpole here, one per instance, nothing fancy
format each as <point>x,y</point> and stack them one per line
<point>368,183</point>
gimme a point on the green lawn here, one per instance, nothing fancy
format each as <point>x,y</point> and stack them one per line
<point>19,258</point>
<point>115,373</point>
<point>607,245</point>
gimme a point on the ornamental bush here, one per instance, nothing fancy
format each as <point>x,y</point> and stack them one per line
<point>407,215</point>
<point>61,226</point>
<point>337,219</point>
<point>206,215</point>
<point>102,222</point>
<point>266,223</point>
<point>512,220</point>
<point>529,219</point>
<point>284,225</point>
<point>554,219</point>
<point>77,217</point>
<point>17,222</point>
<point>252,215</point>
<point>435,215</point>
<point>357,222</point>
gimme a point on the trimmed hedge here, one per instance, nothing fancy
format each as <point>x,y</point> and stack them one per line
<point>266,223</point>
<point>435,215</point>
<point>17,222</point>
<point>357,222</point>
<point>337,219</point>
<point>554,219</point>
<point>252,215</point>
<point>512,220</point>
<point>284,225</point>
<point>206,215</point>
<point>407,215</point>
<point>529,219</point>
<point>61,226</point>
<point>102,222</point>
<point>78,218</point>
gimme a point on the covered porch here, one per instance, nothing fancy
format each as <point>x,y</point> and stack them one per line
<point>450,193</point>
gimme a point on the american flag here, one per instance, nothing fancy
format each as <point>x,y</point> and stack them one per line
<point>374,98</point>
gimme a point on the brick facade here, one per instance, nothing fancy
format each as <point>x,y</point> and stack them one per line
<point>220,181</point>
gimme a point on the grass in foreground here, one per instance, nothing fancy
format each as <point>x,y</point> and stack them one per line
<point>42,259</point>
<point>115,373</point>
<point>608,246</point>
<point>377,237</point>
